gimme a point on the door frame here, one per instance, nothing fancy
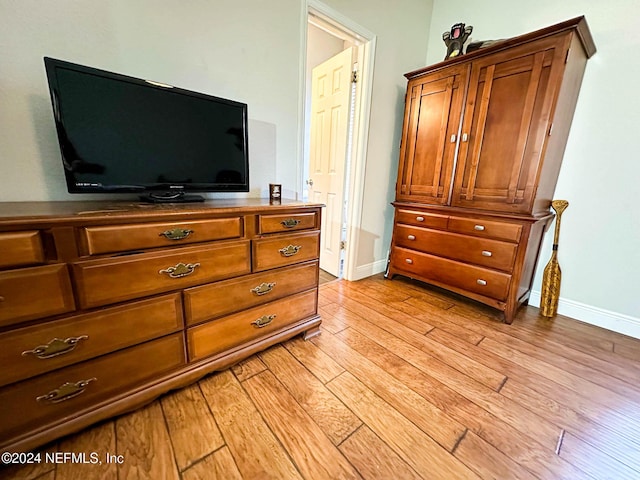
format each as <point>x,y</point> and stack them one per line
<point>362,110</point>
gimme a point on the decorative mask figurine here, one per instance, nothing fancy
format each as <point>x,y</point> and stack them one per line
<point>455,39</point>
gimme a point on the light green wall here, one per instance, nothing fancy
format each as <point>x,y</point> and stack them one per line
<point>599,243</point>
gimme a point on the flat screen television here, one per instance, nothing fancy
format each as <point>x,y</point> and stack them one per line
<point>123,134</point>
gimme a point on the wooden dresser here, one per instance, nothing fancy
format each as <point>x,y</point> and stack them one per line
<point>482,144</point>
<point>105,306</point>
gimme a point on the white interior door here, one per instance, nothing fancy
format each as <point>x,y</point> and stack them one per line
<point>330,110</point>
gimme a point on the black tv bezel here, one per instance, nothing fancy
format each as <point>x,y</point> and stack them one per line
<point>155,192</point>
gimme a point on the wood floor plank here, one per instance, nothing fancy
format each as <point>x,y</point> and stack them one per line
<point>570,380</point>
<point>631,352</point>
<point>217,466</point>
<point>193,430</point>
<point>311,450</point>
<point>592,460</point>
<point>373,306</point>
<point>543,387</point>
<point>435,319</point>
<point>247,368</point>
<point>519,446</point>
<point>254,447</point>
<point>142,439</point>
<point>415,290</point>
<point>373,458</point>
<point>315,360</point>
<point>460,362</point>
<point>442,428</point>
<point>335,420</point>
<point>100,440</point>
<point>487,461</point>
<point>422,453</point>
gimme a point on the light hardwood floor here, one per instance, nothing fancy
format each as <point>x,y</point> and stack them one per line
<point>404,383</point>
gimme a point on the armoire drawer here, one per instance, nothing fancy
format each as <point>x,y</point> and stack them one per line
<point>20,248</point>
<point>59,395</point>
<point>104,281</point>
<point>124,238</point>
<point>221,298</point>
<point>421,219</point>
<point>48,346</point>
<point>225,333</point>
<point>485,228</point>
<point>284,250</point>
<point>471,278</point>
<point>34,292</point>
<point>286,223</point>
<point>480,251</point>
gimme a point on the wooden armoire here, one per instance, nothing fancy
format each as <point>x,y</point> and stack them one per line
<point>482,144</point>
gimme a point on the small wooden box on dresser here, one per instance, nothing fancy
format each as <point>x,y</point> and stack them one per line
<point>482,144</point>
<point>105,306</point>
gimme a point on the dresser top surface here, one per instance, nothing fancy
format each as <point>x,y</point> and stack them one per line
<point>78,211</point>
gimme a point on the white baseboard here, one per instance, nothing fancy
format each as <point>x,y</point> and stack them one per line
<point>617,322</point>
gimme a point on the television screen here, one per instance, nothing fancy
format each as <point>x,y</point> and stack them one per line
<point>123,134</point>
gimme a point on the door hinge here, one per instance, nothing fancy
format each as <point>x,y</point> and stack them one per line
<point>550,130</point>
<point>566,59</point>
<point>343,245</point>
<point>354,76</point>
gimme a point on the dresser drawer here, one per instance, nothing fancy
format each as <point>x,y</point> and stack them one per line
<point>104,281</point>
<point>221,298</point>
<point>123,238</point>
<point>60,395</point>
<point>485,228</point>
<point>421,219</point>
<point>225,333</point>
<point>47,346</point>
<point>35,292</point>
<point>285,250</point>
<point>489,283</point>
<point>480,251</point>
<point>20,248</point>
<point>286,223</point>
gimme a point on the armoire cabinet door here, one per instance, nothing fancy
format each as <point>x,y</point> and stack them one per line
<point>506,119</point>
<point>430,137</point>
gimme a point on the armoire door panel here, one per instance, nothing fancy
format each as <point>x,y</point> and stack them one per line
<point>506,113</point>
<point>430,138</point>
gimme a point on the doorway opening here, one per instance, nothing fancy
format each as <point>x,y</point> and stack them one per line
<point>338,69</point>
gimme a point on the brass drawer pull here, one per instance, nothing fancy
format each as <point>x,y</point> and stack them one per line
<point>263,321</point>
<point>479,228</point>
<point>263,288</point>
<point>409,261</point>
<point>176,233</point>
<point>420,219</point>
<point>290,223</point>
<point>55,347</point>
<point>481,282</point>
<point>290,251</point>
<point>180,270</point>
<point>487,253</point>
<point>411,237</point>
<point>65,392</point>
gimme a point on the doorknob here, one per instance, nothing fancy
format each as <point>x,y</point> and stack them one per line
<point>310,182</point>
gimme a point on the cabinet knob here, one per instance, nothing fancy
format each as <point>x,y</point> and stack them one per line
<point>481,282</point>
<point>465,137</point>
<point>453,138</point>
<point>411,237</point>
<point>409,261</point>
<point>486,253</point>
<point>420,219</point>
<point>479,228</point>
